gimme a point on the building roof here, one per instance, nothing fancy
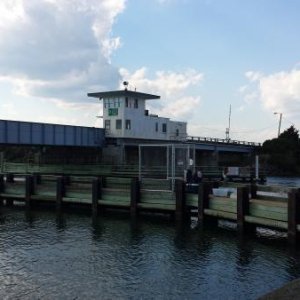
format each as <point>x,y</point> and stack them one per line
<point>121,93</point>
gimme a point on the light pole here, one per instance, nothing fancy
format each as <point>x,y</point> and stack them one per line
<point>280,119</point>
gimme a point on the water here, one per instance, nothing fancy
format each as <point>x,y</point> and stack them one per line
<point>286,181</point>
<point>46,256</point>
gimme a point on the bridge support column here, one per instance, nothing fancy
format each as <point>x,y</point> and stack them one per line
<point>216,157</point>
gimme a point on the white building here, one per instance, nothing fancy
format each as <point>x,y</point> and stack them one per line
<point>125,116</point>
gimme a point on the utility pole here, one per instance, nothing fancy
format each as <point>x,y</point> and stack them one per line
<point>280,119</point>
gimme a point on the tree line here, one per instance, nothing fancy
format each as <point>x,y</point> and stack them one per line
<point>281,155</point>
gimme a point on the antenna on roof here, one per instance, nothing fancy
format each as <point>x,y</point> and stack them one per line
<point>125,83</point>
<point>228,129</point>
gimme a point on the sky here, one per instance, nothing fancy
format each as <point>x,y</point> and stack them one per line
<point>201,56</point>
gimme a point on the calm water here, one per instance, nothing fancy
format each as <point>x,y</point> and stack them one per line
<point>286,181</point>
<point>45,256</point>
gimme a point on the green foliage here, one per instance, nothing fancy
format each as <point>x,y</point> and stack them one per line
<point>283,153</point>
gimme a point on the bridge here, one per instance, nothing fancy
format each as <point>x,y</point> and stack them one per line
<point>91,144</point>
<point>197,139</point>
<point>223,145</point>
<point>42,134</point>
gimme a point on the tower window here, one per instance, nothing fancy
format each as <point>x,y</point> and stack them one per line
<point>136,103</point>
<point>107,124</point>
<point>118,124</point>
<point>126,102</point>
<point>156,126</point>
<point>164,127</point>
<point>128,124</point>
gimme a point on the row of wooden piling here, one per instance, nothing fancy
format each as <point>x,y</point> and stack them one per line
<point>181,210</point>
<point>98,183</point>
<point>243,205</point>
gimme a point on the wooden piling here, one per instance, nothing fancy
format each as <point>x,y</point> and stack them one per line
<point>180,211</point>
<point>134,196</point>
<point>1,188</point>
<point>10,177</point>
<point>37,178</point>
<point>253,190</point>
<point>96,195</point>
<point>1,162</point>
<point>67,180</point>
<point>103,182</point>
<point>204,190</point>
<point>293,215</point>
<point>9,202</point>
<point>243,205</point>
<point>60,192</point>
<point>29,186</point>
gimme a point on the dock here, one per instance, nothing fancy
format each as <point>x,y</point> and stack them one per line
<point>248,205</point>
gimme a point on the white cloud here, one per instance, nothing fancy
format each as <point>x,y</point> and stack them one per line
<point>251,97</point>
<point>281,91</point>
<point>58,49</point>
<point>253,76</point>
<point>275,92</point>
<point>172,87</point>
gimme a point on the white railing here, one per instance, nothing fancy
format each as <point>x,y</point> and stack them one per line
<point>221,141</point>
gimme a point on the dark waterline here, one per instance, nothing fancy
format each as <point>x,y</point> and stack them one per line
<point>45,256</point>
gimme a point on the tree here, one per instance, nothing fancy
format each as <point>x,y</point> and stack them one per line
<point>284,152</point>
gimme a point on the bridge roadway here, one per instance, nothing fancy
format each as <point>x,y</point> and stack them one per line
<point>202,144</point>
<point>43,134</point>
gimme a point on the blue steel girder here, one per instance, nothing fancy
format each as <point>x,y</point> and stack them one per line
<point>43,134</point>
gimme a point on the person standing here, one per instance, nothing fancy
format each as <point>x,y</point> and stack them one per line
<point>189,176</point>
<point>199,176</point>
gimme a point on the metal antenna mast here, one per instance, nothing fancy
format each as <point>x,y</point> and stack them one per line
<point>228,128</point>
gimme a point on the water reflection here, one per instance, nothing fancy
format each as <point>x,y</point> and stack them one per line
<point>60,221</point>
<point>244,253</point>
<point>29,217</point>
<point>113,256</point>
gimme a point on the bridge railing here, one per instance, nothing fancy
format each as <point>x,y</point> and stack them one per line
<point>221,141</point>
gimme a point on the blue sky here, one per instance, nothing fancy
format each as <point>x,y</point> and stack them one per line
<point>201,56</point>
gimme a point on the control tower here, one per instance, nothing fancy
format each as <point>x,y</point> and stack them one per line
<point>125,116</point>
